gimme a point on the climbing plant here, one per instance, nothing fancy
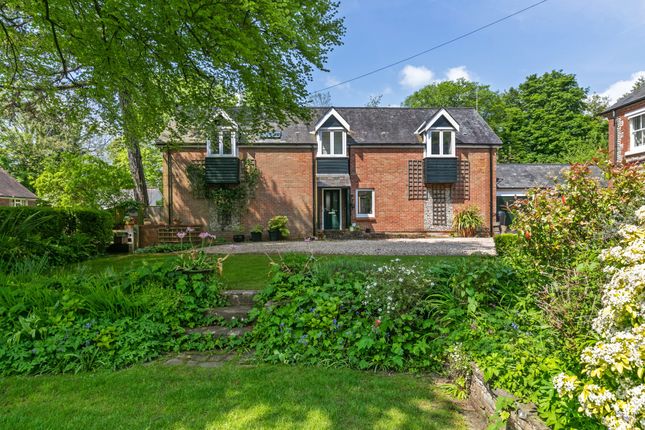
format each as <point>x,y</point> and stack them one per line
<point>229,200</point>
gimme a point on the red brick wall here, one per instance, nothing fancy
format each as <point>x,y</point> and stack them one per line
<point>386,171</point>
<point>285,188</point>
<point>480,189</point>
<point>624,143</point>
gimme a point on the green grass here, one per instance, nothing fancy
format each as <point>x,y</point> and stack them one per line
<point>246,271</point>
<point>230,397</point>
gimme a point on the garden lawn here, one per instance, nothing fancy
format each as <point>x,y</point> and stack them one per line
<point>229,397</point>
<point>247,271</point>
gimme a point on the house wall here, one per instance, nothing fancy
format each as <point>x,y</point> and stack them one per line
<point>386,171</point>
<point>480,181</point>
<point>623,134</point>
<point>285,188</point>
<point>7,201</point>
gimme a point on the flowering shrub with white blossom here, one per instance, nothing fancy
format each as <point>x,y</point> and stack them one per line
<point>614,389</point>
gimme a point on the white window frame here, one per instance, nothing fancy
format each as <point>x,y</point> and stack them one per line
<point>633,149</point>
<point>332,131</point>
<point>372,214</point>
<point>441,131</point>
<point>220,143</point>
<point>17,202</point>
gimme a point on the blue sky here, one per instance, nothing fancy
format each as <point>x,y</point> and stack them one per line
<point>599,41</point>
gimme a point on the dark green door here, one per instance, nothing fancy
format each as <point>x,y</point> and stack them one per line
<point>331,210</point>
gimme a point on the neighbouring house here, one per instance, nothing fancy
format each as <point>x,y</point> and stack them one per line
<point>13,193</point>
<point>386,170</point>
<point>514,181</point>
<point>627,128</point>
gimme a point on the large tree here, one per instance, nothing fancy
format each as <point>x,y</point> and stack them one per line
<point>134,63</point>
<point>546,121</point>
<point>460,93</point>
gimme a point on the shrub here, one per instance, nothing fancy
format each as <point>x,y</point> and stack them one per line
<point>71,323</point>
<point>613,389</point>
<point>279,223</point>
<point>468,221</point>
<point>506,244</point>
<point>62,235</point>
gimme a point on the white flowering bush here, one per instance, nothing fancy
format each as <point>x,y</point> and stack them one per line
<point>613,389</point>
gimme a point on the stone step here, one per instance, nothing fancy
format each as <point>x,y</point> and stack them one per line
<point>219,331</point>
<point>231,313</point>
<point>240,297</point>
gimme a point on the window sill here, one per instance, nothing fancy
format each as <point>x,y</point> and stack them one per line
<point>365,217</point>
<point>440,156</point>
<point>332,156</point>
<point>635,152</point>
<point>221,156</point>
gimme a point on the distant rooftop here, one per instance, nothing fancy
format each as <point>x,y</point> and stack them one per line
<point>525,176</point>
<point>11,188</point>
<point>633,97</point>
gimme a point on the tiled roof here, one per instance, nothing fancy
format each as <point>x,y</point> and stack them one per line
<point>9,187</point>
<point>628,99</point>
<point>524,176</point>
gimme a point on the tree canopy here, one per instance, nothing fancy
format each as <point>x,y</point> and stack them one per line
<point>136,64</point>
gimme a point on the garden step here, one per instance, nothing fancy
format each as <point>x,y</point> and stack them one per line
<point>240,297</point>
<point>230,313</point>
<point>219,331</point>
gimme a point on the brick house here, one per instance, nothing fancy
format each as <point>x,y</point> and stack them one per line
<point>627,128</point>
<point>389,170</point>
<point>13,193</point>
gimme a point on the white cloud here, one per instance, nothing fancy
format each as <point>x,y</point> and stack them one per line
<point>620,88</point>
<point>459,72</point>
<point>331,81</point>
<point>415,77</point>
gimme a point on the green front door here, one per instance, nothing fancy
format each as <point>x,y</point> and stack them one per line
<point>331,210</point>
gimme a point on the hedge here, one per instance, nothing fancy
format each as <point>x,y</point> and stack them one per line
<point>95,224</point>
<point>506,243</point>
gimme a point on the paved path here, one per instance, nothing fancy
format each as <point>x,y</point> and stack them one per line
<point>434,246</point>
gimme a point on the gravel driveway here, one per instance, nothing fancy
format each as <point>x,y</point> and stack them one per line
<point>434,246</point>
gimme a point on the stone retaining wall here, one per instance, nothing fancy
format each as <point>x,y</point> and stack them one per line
<point>482,399</point>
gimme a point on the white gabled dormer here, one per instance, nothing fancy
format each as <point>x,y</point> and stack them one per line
<point>438,135</point>
<point>223,143</point>
<point>331,135</point>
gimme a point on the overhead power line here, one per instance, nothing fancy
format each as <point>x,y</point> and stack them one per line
<point>441,45</point>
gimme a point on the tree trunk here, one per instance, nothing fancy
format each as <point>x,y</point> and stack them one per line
<point>134,151</point>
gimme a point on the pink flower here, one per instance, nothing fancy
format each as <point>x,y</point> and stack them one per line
<point>377,323</point>
<point>189,229</point>
<point>181,234</point>
<point>204,235</point>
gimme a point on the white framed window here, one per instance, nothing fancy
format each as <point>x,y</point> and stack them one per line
<point>365,203</point>
<point>332,143</point>
<point>440,143</point>
<point>224,144</point>
<point>637,133</point>
<point>19,202</point>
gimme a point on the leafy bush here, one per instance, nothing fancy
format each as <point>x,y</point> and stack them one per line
<point>78,322</point>
<point>279,223</point>
<point>468,221</point>
<point>63,236</point>
<point>506,244</point>
<point>613,369</point>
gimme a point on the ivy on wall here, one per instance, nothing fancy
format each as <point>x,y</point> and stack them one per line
<point>230,201</point>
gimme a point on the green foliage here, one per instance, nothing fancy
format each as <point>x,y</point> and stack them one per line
<point>279,223</point>
<point>545,122</point>
<point>82,181</point>
<point>506,244</point>
<point>467,221</point>
<point>230,200</point>
<point>461,93</point>
<point>151,158</point>
<point>71,323</point>
<point>57,235</point>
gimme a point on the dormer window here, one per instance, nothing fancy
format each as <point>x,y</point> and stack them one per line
<point>332,143</point>
<point>440,143</point>
<point>224,143</point>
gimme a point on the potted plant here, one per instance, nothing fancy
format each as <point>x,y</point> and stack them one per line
<point>256,233</point>
<point>468,221</point>
<point>277,227</point>
<point>239,235</point>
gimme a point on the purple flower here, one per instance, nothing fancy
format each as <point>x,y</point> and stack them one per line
<point>204,235</point>
<point>181,234</point>
<point>189,229</point>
